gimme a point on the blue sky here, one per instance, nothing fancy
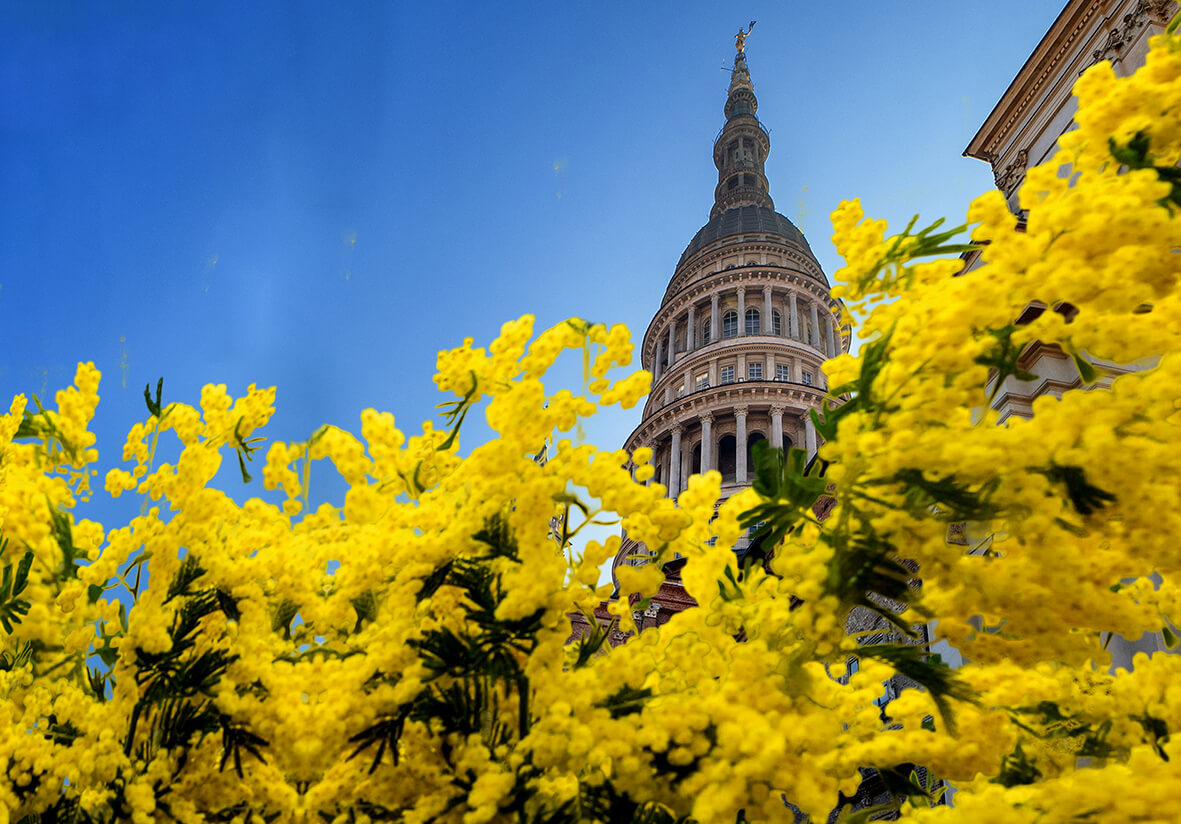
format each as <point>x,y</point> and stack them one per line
<point>321,196</point>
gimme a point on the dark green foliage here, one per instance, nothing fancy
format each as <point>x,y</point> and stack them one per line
<point>177,683</point>
<point>899,782</point>
<point>1157,733</point>
<point>245,447</point>
<point>953,501</point>
<point>864,568</point>
<point>1017,770</point>
<point>789,489</point>
<point>96,679</point>
<point>475,669</point>
<point>182,582</point>
<point>455,411</point>
<point>1003,357</point>
<point>12,583</point>
<point>589,645</point>
<point>64,536</point>
<point>365,605</point>
<point>40,425</point>
<point>234,739</point>
<point>63,734</point>
<point>431,583</point>
<point>227,604</point>
<point>385,733</point>
<point>282,617</point>
<point>1083,496</point>
<point>66,810</point>
<point>859,394</point>
<point>680,772</point>
<point>1137,154</point>
<point>627,700</point>
<point>930,673</point>
<point>154,406</point>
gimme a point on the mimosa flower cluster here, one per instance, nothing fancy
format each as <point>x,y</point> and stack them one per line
<point>404,654</point>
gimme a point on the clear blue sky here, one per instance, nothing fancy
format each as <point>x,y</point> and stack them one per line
<point>322,195</point>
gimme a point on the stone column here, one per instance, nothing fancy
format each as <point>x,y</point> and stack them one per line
<point>658,367</point>
<point>809,436</point>
<point>793,322</point>
<point>713,372</point>
<point>672,339</point>
<point>707,441</point>
<point>674,469</point>
<point>688,382</point>
<point>815,337</point>
<point>740,444</point>
<point>741,310</point>
<point>768,327</point>
<point>832,344</point>
<point>715,331</point>
<point>777,427</point>
<point>691,331</point>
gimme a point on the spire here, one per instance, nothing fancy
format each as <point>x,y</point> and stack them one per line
<point>742,146</point>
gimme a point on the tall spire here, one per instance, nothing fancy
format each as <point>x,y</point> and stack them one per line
<point>741,148</point>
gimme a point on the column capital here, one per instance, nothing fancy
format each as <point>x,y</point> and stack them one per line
<point>741,290</point>
<point>767,289</point>
<point>778,410</point>
<point>740,411</point>
<point>677,429</point>
<point>706,417</point>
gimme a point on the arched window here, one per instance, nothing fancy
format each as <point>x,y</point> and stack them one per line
<point>727,464</point>
<point>776,324</point>
<point>787,444</point>
<point>705,330</point>
<point>695,466</point>
<point>752,321</point>
<point>730,324</point>
<point>754,438</point>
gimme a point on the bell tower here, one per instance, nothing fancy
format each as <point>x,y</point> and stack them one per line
<point>736,345</point>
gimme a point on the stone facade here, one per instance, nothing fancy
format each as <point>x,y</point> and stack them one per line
<point>1021,132</point>
<point>1023,128</point>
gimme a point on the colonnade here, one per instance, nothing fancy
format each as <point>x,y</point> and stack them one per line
<point>826,342</point>
<point>674,462</point>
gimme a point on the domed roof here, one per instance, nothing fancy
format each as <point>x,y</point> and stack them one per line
<point>743,220</point>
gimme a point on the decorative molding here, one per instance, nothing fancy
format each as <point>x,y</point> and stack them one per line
<point>1027,86</point>
<point>1008,180</point>
<point>1112,45</point>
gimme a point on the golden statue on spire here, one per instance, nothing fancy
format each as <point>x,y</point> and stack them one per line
<point>740,38</point>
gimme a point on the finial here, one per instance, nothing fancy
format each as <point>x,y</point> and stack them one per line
<point>740,38</point>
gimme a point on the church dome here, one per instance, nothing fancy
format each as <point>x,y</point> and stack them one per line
<point>744,220</point>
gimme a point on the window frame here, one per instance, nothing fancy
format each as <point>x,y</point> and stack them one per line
<point>753,314</point>
<point>729,324</point>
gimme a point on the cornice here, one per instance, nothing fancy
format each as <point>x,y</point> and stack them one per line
<point>795,398</point>
<point>808,265</point>
<point>743,276</point>
<point>1042,65</point>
